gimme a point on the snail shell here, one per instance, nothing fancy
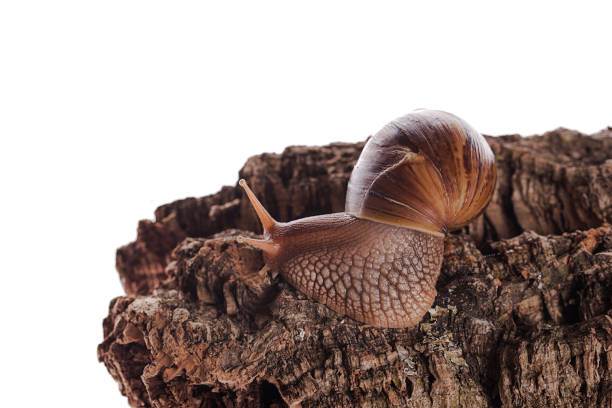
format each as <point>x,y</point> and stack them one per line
<point>428,170</point>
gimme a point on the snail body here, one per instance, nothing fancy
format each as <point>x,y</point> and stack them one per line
<point>422,175</point>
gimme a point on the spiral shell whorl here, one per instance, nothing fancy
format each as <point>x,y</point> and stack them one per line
<point>428,170</point>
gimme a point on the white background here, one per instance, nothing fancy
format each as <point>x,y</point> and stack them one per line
<point>111,108</point>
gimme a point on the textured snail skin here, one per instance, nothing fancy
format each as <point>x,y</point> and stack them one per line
<point>423,174</point>
<point>376,273</point>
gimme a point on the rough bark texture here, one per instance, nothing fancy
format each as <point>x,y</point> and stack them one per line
<point>523,316</point>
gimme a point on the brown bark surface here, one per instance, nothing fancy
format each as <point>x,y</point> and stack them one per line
<point>523,316</point>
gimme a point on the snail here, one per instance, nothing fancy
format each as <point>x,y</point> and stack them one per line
<point>422,175</point>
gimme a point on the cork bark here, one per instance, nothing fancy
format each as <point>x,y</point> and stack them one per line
<point>523,315</point>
